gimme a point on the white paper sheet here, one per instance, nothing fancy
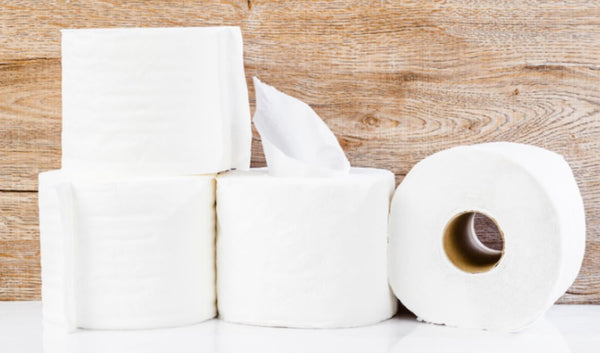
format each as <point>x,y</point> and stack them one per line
<point>295,140</point>
<point>127,253</point>
<point>532,196</point>
<point>169,101</point>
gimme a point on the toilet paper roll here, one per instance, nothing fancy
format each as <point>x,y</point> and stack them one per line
<point>127,253</point>
<point>441,272</point>
<point>303,252</point>
<point>154,100</point>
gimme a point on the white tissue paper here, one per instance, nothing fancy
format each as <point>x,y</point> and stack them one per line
<point>303,251</point>
<point>154,100</point>
<point>443,274</point>
<point>127,253</point>
<point>295,140</point>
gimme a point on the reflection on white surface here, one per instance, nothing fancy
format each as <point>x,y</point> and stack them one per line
<point>373,339</point>
<point>564,329</point>
<point>196,338</point>
<point>542,336</point>
<point>220,336</point>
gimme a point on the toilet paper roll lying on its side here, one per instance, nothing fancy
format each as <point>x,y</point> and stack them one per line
<point>303,252</point>
<point>154,100</point>
<point>441,272</point>
<point>127,253</point>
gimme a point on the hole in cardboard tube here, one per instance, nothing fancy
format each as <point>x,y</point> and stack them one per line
<point>473,242</point>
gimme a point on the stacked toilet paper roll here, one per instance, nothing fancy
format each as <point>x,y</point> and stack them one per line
<point>127,239</point>
<point>154,100</point>
<point>128,226</point>
<point>444,274</point>
<point>303,252</point>
<point>122,253</point>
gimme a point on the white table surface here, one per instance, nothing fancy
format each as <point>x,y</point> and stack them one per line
<point>565,328</point>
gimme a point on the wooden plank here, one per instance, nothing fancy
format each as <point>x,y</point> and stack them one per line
<point>586,289</point>
<point>396,81</point>
<point>30,112</point>
<point>385,123</point>
<point>30,28</point>
<point>18,216</point>
<point>19,246</point>
<point>20,270</point>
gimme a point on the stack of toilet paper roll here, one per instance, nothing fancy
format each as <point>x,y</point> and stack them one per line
<point>128,225</point>
<point>150,116</point>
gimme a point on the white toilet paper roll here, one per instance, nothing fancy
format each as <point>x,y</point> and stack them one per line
<point>154,100</point>
<point>444,275</point>
<point>303,252</point>
<point>127,252</point>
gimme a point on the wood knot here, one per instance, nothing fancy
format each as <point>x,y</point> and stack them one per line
<point>371,120</point>
<point>349,144</point>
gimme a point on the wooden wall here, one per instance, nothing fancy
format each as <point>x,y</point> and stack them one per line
<point>395,80</point>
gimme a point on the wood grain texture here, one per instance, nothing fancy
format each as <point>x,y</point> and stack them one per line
<point>19,246</point>
<point>395,80</point>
